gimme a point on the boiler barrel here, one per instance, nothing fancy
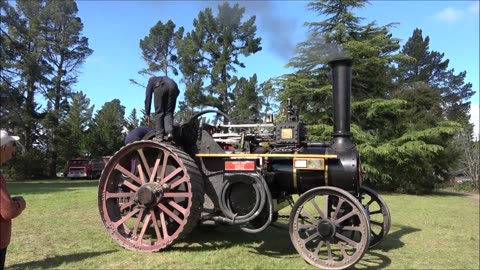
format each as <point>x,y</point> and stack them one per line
<point>339,172</point>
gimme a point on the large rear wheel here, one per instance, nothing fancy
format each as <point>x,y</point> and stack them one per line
<point>150,195</point>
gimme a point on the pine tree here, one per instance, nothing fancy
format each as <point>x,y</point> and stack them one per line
<point>24,67</point>
<point>247,102</point>
<point>159,48</point>
<point>211,52</point>
<point>66,51</point>
<point>398,151</point>
<point>132,121</point>
<point>75,128</point>
<point>106,132</point>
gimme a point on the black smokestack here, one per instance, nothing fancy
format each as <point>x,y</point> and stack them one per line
<point>342,91</point>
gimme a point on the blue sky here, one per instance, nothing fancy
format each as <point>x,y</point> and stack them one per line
<point>114,29</point>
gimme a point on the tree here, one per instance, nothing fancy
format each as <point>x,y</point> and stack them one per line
<point>42,50</point>
<point>66,50</point>
<point>132,121</point>
<point>430,68</point>
<point>248,104</point>
<point>106,136</point>
<point>184,112</point>
<point>399,151</point>
<point>24,67</point>
<point>268,97</point>
<point>470,159</point>
<point>75,128</point>
<point>211,53</point>
<point>342,25</point>
<point>159,48</point>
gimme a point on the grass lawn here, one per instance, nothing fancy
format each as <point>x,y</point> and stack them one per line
<point>61,229</point>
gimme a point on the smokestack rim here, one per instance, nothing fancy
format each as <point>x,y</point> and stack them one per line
<point>341,59</point>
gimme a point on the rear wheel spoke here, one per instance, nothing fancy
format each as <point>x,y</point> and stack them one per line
<point>126,217</point>
<point>144,162</point>
<point>155,168</point>
<point>146,221</point>
<point>171,176</point>
<point>128,173</point>
<point>170,214</point>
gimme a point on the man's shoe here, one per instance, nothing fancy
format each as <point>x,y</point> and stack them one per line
<point>169,137</point>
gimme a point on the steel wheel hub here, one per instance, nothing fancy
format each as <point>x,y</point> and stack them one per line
<point>149,194</point>
<point>326,229</point>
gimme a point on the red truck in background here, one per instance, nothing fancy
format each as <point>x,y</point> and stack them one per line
<point>80,167</point>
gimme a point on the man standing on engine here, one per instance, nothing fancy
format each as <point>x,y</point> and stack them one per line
<point>165,98</point>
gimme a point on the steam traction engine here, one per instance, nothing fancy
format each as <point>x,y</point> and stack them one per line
<point>152,194</point>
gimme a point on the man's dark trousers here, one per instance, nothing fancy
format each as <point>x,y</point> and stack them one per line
<point>165,99</point>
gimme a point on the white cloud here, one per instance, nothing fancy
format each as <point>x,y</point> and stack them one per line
<point>450,15</point>
<point>475,119</point>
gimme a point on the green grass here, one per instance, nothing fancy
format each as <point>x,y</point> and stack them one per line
<point>61,229</point>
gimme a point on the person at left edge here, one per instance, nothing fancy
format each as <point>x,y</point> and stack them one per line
<point>165,98</point>
<point>10,207</point>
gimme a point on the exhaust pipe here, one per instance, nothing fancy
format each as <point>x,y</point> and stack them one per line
<point>342,91</point>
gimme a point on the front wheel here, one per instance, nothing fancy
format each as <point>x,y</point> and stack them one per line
<point>378,214</point>
<point>321,226</point>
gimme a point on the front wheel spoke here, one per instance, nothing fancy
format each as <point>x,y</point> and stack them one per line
<point>329,251</point>
<point>311,237</point>
<point>128,173</point>
<point>126,217</point>
<point>376,212</point>
<point>320,212</point>
<point>116,195</point>
<point>343,251</point>
<point>177,195</point>
<point>305,213</point>
<point>171,175</point>
<point>347,216</point>
<point>351,228</point>
<point>370,202</point>
<point>347,240</point>
<point>338,207</point>
<point>318,248</point>
<point>306,226</point>
<point>170,214</point>
<point>376,223</point>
